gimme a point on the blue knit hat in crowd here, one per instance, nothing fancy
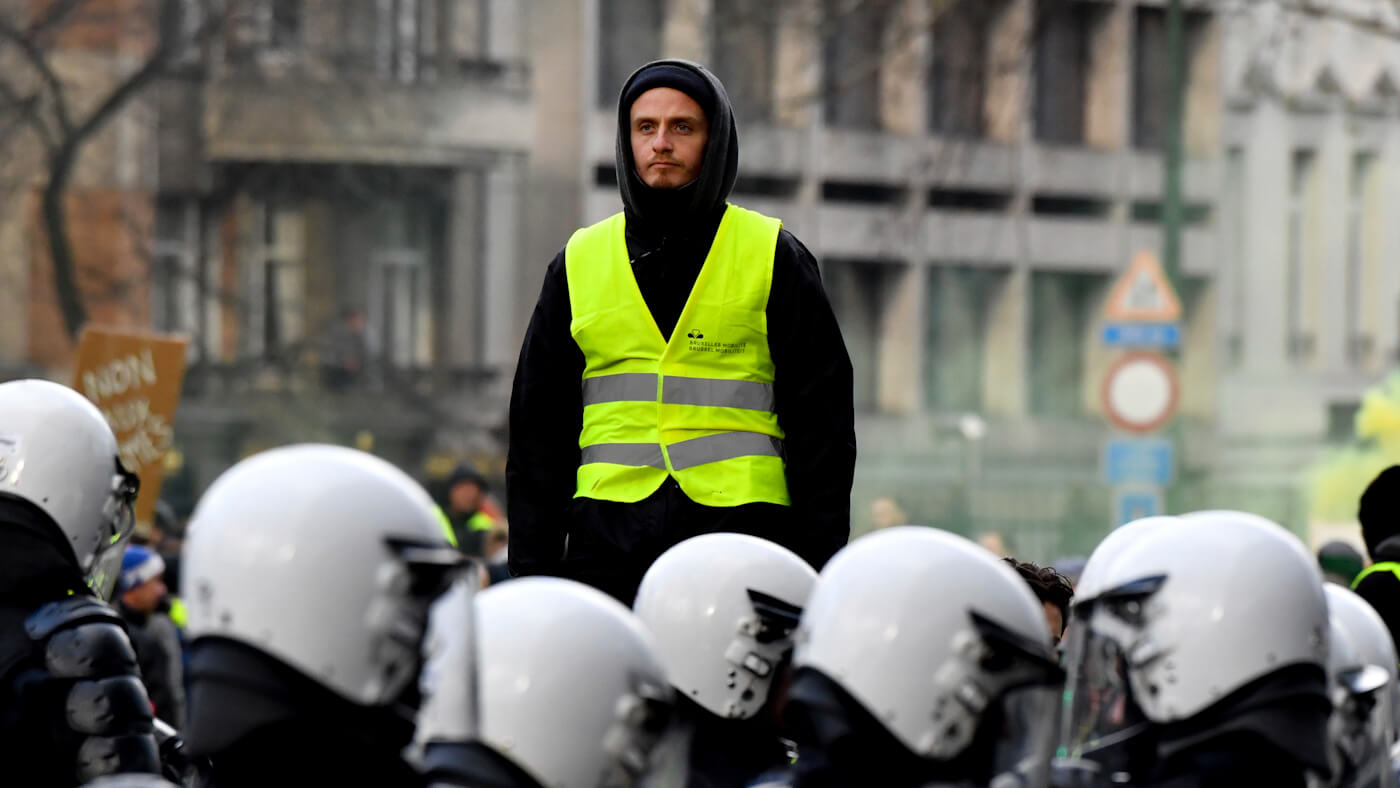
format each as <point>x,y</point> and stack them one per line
<point>139,565</point>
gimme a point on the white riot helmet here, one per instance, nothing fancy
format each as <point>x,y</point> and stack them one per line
<point>723,608</point>
<point>571,689</point>
<point>931,633</point>
<point>1183,617</point>
<point>58,453</point>
<point>324,558</point>
<point>1362,666</point>
<point>1117,540</point>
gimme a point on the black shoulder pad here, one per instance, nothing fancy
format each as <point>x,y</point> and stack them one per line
<point>90,650</point>
<point>103,755</point>
<point>68,612</point>
<point>110,706</point>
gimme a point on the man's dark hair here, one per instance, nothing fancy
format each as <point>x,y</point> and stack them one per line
<point>1048,585</point>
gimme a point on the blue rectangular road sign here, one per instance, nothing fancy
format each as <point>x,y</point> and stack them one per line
<point>1139,461</point>
<point>1135,503</point>
<point>1153,335</point>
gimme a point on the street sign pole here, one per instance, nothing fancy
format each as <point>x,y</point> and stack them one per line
<point>1140,389</point>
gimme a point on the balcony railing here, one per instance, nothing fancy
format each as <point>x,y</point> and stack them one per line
<point>406,42</point>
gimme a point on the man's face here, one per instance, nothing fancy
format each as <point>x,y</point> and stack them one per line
<point>465,497</point>
<point>1055,620</point>
<point>145,597</point>
<point>669,132</point>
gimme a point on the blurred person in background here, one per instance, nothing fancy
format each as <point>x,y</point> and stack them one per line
<point>886,513</point>
<point>753,430</point>
<point>1379,513</point>
<point>312,570</point>
<point>994,542</point>
<point>723,609</point>
<point>1340,563</point>
<point>1052,589</point>
<point>466,495</point>
<point>141,595</point>
<point>345,353</point>
<point>72,705</point>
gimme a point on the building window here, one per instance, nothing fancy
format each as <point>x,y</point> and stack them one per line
<point>1302,178</point>
<point>745,53</point>
<point>1061,306</point>
<point>958,67</point>
<point>957,308</point>
<point>1061,69</point>
<point>176,268</point>
<point>853,35</point>
<point>1358,210</point>
<point>629,36</point>
<point>276,287</point>
<point>859,291</point>
<point>399,289</point>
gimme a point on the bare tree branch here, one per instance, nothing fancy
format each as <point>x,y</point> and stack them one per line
<point>40,63</point>
<point>27,109</point>
<point>64,157</point>
<point>54,15</point>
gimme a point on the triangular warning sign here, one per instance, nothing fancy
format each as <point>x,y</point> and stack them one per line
<point>1143,294</point>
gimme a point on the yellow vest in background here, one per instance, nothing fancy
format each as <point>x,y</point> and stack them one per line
<point>698,408</point>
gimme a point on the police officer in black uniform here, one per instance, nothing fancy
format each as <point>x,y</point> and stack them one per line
<point>72,705</point>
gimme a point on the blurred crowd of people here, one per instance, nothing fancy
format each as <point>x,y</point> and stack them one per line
<point>335,623</point>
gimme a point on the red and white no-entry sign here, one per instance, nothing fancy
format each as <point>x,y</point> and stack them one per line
<point>1140,392</point>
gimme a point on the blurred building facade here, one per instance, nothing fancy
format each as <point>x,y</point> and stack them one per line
<point>972,176</point>
<point>1310,281</point>
<point>310,159</point>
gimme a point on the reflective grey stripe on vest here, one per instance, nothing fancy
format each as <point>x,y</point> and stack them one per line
<point>626,387</point>
<point>724,446</point>
<point>637,455</point>
<point>713,392</point>
<point>717,392</point>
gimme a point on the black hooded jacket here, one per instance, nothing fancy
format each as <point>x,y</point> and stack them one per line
<point>610,545</point>
<point>1379,515</point>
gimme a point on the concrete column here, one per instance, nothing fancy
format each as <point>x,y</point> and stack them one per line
<point>1268,168</point>
<point>1199,350</point>
<point>904,68</point>
<point>1006,364</point>
<point>465,249</point>
<point>1008,50</point>
<point>1201,122</point>
<point>1107,96</point>
<point>901,341</point>
<point>1325,283</point>
<point>686,30</point>
<point>1382,298</point>
<point>505,184</point>
<point>564,64</point>
<point>798,66</point>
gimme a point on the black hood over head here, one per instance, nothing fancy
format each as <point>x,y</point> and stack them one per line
<point>664,212</point>
<point>1379,512</point>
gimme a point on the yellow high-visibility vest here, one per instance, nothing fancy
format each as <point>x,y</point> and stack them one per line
<point>697,408</point>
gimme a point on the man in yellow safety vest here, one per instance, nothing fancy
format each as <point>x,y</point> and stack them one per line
<point>683,371</point>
